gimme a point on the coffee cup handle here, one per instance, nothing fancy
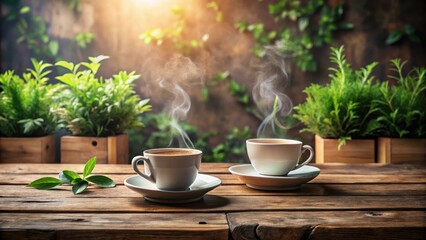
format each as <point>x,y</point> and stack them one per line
<point>309,148</point>
<point>135,162</point>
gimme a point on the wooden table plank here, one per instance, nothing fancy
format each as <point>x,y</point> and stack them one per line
<point>311,189</point>
<point>100,168</point>
<point>231,179</point>
<point>328,225</point>
<point>114,226</point>
<point>335,168</point>
<point>213,203</point>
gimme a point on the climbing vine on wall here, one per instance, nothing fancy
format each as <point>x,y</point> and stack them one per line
<point>305,25</point>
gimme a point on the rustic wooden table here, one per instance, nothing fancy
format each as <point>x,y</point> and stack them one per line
<point>343,202</point>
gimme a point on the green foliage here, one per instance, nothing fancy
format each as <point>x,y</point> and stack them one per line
<point>308,24</point>
<point>25,103</point>
<point>96,106</point>
<point>32,31</point>
<point>397,35</point>
<point>403,106</point>
<point>173,34</point>
<point>83,39</point>
<point>233,149</point>
<point>345,108</point>
<point>237,90</point>
<point>158,133</point>
<point>70,177</point>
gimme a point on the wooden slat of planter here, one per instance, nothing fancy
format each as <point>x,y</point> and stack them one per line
<point>113,226</point>
<point>354,151</point>
<point>28,150</point>
<point>213,203</point>
<point>395,150</point>
<point>81,149</point>
<point>17,191</point>
<point>231,179</point>
<point>328,225</point>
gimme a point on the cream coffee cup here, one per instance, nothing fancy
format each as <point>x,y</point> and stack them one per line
<point>172,169</point>
<point>276,157</point>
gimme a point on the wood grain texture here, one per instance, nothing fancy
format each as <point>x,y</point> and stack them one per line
<point>346,201</point>
<point>354,151</point>
<point>312,189</point>
<point>228,179</point>
<point>396,150</point>
<point>116,226</point>
<point>329,168</point>
<point>211,203</point>
<point>28,150</point>
<point>329,225</point>
<point>112,149</point>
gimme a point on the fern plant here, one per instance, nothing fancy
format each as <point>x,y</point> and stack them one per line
<point>25,103</point>
<point>403,106</point>
<point>344,108</point>
<point>99,107</point>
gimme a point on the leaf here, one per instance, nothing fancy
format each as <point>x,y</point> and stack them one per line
<point>24,10</point>
<point>63,179</point>
<point>394,37</point>
<point>54,47</point>
<point>303,23</point>
<point>98,59</point>
<point>65,64</point>
<point>70,175</point>
<point>80,187</point>
<point>45,183</point>
<point>88,168</point>
<point>101,181</point>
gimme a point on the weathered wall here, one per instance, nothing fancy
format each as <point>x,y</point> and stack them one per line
<point>117,25</point>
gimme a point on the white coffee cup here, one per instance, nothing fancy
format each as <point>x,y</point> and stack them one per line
<point>172,169</point>
<point>275,156</point>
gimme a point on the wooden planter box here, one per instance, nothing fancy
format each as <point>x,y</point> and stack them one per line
<point>354,151</point>
<point>27,150</point>
<point>400,150</point>
<point>113,150</point>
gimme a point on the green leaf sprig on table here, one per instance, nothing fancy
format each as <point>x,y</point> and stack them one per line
<point>79,184</point>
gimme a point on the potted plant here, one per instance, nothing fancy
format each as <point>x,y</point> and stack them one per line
<point>342,110</point>
<point>403,117</point>
<point>27,123</point>
<point>97,111</point>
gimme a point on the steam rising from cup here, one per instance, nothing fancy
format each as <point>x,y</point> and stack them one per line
<point>268,94</point>
<point>179,72</point>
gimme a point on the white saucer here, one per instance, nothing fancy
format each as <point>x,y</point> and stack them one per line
<point>292,180</point>
<point>203,184</point>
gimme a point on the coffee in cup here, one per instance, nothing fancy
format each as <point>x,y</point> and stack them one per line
<point>275,156</point>
<point>172,169</point>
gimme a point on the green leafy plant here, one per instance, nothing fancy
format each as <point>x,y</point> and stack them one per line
<point>31,31</point>
<point>25,103</point>
<point>79,184</point>
<point>407,31</point>
<point>403,105</point>
<point>158,133</point>
<point>173,34</point>
<point>83,39</point>
<point>308,25</point>
<point>96,106</point>
<point>345,108</point>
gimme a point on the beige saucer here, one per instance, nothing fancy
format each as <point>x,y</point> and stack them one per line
<point>203,184</point>
<point>293,180</point>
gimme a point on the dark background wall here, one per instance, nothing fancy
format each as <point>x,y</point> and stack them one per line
<point>117,25</point>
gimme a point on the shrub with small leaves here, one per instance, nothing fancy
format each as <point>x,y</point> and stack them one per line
<point>79,184</point>
<point>403,105</point>
<point>346,107</point>
<point>25,103</point>
<point>99,107</point>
